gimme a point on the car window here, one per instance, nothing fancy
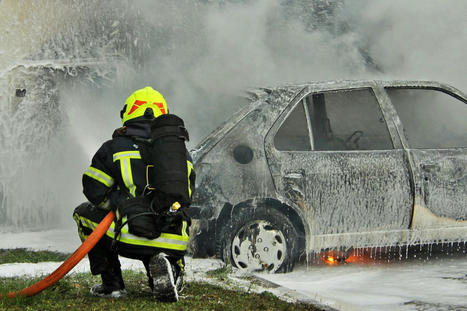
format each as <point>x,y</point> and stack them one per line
<point>293,133</point>
<point>431,118</point>
<point>347,120</point>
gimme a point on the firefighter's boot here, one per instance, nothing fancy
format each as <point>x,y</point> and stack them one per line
<point>112,285</point>
<point>163,278</point>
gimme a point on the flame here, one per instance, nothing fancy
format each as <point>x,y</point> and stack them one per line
<point>330,260</point>
<point>333,257</point>
<point>359,259</point>
<point>336,257</point>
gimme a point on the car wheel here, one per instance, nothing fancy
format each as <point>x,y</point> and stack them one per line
<point>259,240</point>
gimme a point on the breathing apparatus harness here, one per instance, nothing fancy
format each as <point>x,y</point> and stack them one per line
<point>161,205</point>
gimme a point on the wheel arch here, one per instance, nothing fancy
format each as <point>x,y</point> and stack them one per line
<point>230,211</point>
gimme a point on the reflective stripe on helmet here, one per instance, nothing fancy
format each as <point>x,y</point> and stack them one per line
<point>100,176</point>
<point>165,240</point>
<point>125,168</point>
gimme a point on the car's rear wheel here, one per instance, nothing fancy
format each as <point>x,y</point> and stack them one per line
<point>259,239</point>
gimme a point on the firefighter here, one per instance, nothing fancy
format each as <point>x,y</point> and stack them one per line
<point>118,175</point>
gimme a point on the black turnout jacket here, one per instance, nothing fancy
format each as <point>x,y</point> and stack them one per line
<point>117,171</point>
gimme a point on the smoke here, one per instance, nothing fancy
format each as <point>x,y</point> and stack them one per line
<point>202,55</point>
<point>413,39</point>
<point>205,54</point>
<point>211,52</point>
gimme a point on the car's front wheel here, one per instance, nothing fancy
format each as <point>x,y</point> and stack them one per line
<point>259,239</point>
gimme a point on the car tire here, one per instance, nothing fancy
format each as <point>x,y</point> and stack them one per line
<point>259,239</point>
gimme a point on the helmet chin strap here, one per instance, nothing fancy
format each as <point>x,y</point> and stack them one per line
<point>122,111</point>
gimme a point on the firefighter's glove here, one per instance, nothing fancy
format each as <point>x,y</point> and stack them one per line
<point>105,205</point>
<point>117,199</point>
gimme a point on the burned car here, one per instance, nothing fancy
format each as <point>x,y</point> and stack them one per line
<point>332,165</point>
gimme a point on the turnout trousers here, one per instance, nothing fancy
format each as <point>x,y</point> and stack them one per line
<point>104,256</point>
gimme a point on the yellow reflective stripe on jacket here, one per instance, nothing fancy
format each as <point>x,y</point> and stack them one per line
<point>165,240</point>
<point>127,154</point>
<point>183,237</point>
<point>190,168</point>
<point>125,167</point>
<point>100,176</point>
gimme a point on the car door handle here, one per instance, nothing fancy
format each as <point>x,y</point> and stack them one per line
<point>295,175</point>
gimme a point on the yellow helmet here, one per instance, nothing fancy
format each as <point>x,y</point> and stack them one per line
<point>142,99</point>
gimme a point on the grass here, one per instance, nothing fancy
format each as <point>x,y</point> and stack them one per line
<point>25,255</point>
<point>72,293</point>
<point>221,274</point>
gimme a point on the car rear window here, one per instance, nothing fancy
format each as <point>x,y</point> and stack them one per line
<point>431,118</point>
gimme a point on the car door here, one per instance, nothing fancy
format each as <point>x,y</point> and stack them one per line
<point>331,154</point>
<point>434,124</point>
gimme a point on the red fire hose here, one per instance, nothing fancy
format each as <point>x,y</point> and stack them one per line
<point>68,264</point>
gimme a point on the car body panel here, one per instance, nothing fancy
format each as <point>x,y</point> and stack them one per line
<point>344,198</point>
<point>442,175</point>
<point>216,172</point>
<point>344,191</point>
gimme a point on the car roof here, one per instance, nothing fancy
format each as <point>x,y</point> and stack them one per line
<point>322,86</point>
<point>343,84</point>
